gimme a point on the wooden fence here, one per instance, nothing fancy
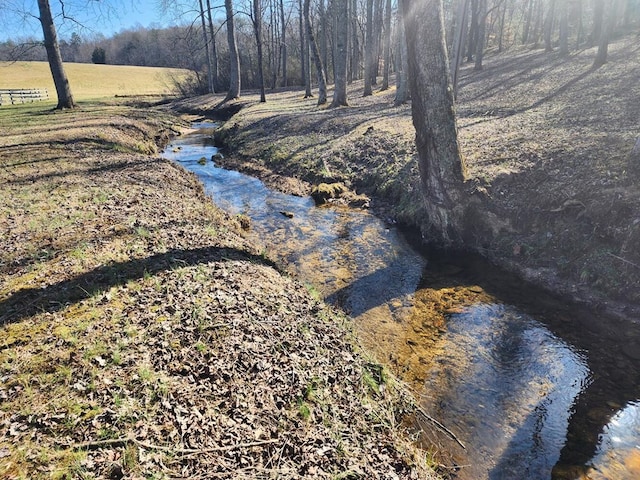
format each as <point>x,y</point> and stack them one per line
<point>12,96</point>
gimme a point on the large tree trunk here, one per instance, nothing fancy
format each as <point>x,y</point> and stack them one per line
<point>340,66</point>
<point>317,60</point>
<point>257,30</point>
<point>304,54</point>
<point>368,50</point>
<point>442,169</point>
<point>603,44</point>
<point>527,23</point>
<point>63,90</point>
<point>234,58</point>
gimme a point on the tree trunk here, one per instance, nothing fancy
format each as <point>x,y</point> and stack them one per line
<point>315,52</point>
<point>527,23</point>
<point>603,44</point>
<point>368,50</point>
<point>548,26</point>
<point>214,49</point>
<point>482,25</point>
<point>473,31</point>
<point>402,84</point>
<point>387,46</point>
<point>598,15</point>
<point>206,48</point>
<point>564,27</point>
<point>304,53</point>
<point>354,58</point>
<point>283,44</point>
<point>342,39</point>
<point>257,30</point>
<point>377,36</point>
<point>234,58</point>
<point>324,52</point>
<point>63,90</point>
<point>459,42</point>
<point>441,167</point>
<point>501,35</point>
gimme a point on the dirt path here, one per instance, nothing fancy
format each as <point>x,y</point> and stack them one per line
<point>143,336</point>
<point>547,141</point>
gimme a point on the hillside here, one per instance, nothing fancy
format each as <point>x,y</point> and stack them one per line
<point>547,141</point>
<point>92,82</point>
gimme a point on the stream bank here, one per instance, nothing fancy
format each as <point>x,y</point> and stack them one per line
<point>548,163</point>
<point>143,335</point>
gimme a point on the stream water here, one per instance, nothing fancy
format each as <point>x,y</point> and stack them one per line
<point>534,388</point>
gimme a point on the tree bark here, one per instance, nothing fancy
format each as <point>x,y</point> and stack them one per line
<point>603,44</point>
<point>442,170</point>
<point>340,67</point>
<point>257,30</point>
<point>283,44</point>
<point>387,46</point>
<point>234,58</point>
<point>564,27</point>
<point>214,49</point>
<point>548,26</point>
<point>598,15</point>
<point>482,27</point>
<point>60,80</point>
<point>402,84</point>
<point>317,60</point>
<point>206,48</point>
<point>459,42</point>
<point>368,50</point>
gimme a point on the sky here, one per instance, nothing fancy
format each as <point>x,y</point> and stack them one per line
<point>18,18</point>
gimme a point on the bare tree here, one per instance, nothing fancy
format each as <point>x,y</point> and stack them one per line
<point>60,80</point>
<point>402,85</point>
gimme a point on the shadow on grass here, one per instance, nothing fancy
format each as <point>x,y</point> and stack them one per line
<point>31,301</point>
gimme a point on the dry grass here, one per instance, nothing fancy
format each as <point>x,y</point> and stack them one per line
<point>92,82</point>
<point>142,336</point>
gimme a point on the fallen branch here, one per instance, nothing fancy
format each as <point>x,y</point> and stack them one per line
<point>439,425</point>
<point>624,260</point>
<point>117,442</point>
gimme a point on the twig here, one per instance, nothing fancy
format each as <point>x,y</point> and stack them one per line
<point>181,451</point>
<point>624,260</point>
<point>439,425</point>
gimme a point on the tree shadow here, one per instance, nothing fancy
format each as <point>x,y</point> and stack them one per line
<point>30,301</point>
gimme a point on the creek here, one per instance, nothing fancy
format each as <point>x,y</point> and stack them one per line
<point>535,388</point>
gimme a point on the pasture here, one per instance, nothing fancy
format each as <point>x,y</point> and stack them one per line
<point>91,82</point>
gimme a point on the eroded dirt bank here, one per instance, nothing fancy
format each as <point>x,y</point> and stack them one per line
<point>547,141</point>
<point>143,336</point>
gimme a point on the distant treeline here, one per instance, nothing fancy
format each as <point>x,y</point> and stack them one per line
<point>473,27</point>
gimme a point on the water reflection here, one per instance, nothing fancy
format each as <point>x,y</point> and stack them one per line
<point>531,400</point>
<point>508,384</point>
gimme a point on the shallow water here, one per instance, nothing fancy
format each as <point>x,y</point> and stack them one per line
<point>533,388</point>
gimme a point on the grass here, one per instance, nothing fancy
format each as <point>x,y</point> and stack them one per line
<point>92,82</point>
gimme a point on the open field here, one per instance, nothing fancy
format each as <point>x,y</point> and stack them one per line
<point>92,82</point>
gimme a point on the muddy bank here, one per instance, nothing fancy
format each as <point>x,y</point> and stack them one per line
<point>556,201</point>
<point>143,334</point>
